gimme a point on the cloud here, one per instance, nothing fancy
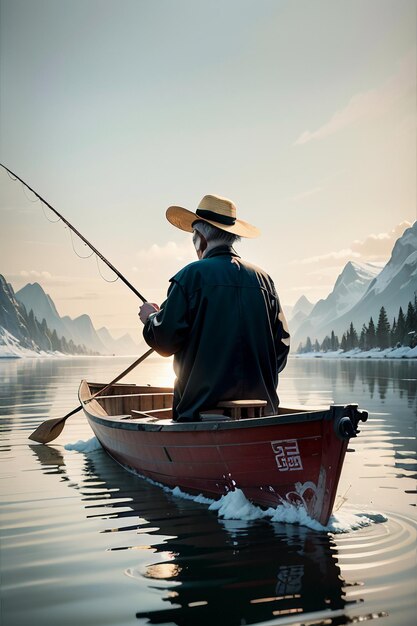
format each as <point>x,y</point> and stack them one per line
<point>50,280</point>
<point>369,103</point>
<point>378,247</point>
<point>183,252</point>
<point>332,258</point>
<point>35,274</point>
<point>372,248</point>
<point>164,260</point>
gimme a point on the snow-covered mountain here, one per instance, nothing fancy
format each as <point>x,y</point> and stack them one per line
<point>13,319</point>
<point>82,328</point>
<point>12,348</point>
<point>394,286</point>
<point>123,345</point>
<point>22,334</point>
<point>34,298</point>
<point>303,305</point>
<point>79,329</point>
<point>349,288</point>
<point>300,311</point>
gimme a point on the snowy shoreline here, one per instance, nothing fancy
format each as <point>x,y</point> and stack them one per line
<point>389,353</point>
<point>31,354</point>
<point>11,349</point>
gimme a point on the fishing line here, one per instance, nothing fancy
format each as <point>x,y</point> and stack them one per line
<point>73,247</point>
<point>27,197</point>
<point>107,281</point>
<point>15,177</point>
<point>46,217</point>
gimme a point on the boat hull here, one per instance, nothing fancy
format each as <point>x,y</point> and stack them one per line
<point>295,457</point>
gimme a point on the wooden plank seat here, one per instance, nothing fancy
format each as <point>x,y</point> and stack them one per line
<point>231,409</point>
<point>238,409</point>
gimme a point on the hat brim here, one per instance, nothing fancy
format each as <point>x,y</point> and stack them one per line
<point>183,219</point>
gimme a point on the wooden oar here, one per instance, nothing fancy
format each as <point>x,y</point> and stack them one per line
<point>51,429</point>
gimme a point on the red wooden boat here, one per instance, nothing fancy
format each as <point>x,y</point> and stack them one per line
<point>295,456</point>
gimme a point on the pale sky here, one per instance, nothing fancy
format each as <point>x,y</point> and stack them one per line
<point>302,112</point>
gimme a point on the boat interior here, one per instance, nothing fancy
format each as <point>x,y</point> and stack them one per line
<point>136,402</point>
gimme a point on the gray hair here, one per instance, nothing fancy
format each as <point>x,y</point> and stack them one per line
<point>211,233</point>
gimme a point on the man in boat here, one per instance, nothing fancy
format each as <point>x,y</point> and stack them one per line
<point>222,318</point>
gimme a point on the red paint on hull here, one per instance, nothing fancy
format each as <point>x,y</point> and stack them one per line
<point>295,457</point>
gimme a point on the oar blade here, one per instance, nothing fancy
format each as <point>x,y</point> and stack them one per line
<point>51,429</point>
<point>48,431</point>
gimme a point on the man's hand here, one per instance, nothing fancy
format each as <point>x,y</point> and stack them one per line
<point>146,309</point>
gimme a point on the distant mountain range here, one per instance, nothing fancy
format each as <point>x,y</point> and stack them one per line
<point>299,312</point>
<point>360,291</point>
<point>80,330</point>
<point>22,334</point>
<point>14,319</point>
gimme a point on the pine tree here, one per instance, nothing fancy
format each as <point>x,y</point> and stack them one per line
<point>400,335</point>
<point>410,323</point>
<point>333,341</point>
<point>55,341</point>
<point>309,346</point>
<point>326,344</point>
<point>353,337</point>
<point>410,326</point>
<point>347,335</point>
<point>370,335</point>
<point>362,338</point>
<point>316,346</point>
<point>31,323</point>
<point>383,330</point>
<point>343,343</point>
<point>394,333</point>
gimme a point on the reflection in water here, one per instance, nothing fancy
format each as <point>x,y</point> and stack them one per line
<point>200,565</point>
<point>378,376</point>
<point>183,565</point>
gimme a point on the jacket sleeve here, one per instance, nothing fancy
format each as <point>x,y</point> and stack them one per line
<point>167,330</point>
<point>281,333</point>
<point>282,340</point>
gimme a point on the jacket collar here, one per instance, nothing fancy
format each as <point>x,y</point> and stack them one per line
<point>221,251</point>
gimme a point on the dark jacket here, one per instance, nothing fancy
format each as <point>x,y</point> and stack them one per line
<point>223,324</point>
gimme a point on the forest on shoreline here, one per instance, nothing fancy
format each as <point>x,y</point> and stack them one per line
<point>401,333</point>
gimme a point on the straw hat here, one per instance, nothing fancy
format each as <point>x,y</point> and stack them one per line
<point>215,210</point>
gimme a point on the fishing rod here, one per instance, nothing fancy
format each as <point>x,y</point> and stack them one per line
<point>51,429</point>
<point>74,230</point>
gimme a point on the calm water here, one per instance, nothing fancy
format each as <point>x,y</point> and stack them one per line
<point>84,542</point>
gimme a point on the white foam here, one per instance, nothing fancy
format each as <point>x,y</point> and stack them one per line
<point>235,505</point>
<point>84,446</point>
<point>200,499</point>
